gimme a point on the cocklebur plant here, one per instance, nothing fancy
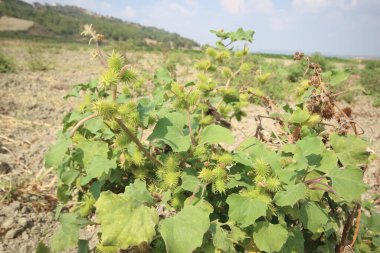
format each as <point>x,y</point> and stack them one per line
<point>183,188</point>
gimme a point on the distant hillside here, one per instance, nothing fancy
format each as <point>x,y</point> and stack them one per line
<point>68,21</point>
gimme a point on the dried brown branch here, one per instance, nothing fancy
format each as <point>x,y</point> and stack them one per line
<point>357,225</point>
<point>346,229</point>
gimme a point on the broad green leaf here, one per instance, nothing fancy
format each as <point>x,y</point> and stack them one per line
<point>299,116</point>
<point>138,192</point>
<point>221,239</point>
<point>124,223</point>
<point>328,162</point>
<point>170,130</point>
<point>236,234</point>
<point>68,175</point>
<point>348,183</point>
<point>66,237</point>
<point>89,149</point>
<point>291,195</point>
<point>162,76</point>
<point>252,148</point>
<point>295,242</point>
<point>312,216</point>
<point>311,145</point>
<point>269,237</point>
<point>245,210</point>
<point>214,134</point>
<point>145,108</point>
<point>183,233</point>
<point>189,180</point>
<point>97,167</point>
<point>350,149</point>
<point>56,153</point>
<point>94,125</point>
<point>240,34</point>
<point>249,145</point>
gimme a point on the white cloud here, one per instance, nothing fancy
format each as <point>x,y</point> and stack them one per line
<point>179,8</point>
<point>191,2</point>
<point>265,6</point>
<point>233,6</point>
<point>318,4</point>
<point>129,12</point>
<point>310,4</point>
<point>247,6</point>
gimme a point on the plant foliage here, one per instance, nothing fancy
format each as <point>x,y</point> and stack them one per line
<point>184,187</point>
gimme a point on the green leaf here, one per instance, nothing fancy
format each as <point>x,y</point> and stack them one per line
<point>214,134</point>
<point>97,167</point>
<point>162,76</point>
<point>236,233</point>
<point>241,35</point>
<point>170,130</point>
<point>66,237</point>
<point>291,195</point>
<point>56,153</point>
<point>350,149</point>
<point>87,150</point>
<point>269,237</point>
<point>313,217</point>
<point>183,233</point>
<point>374,221</point>
<point>94,125</point>
<point>68,175</point>
<point>295,242</point>
<point>329,161</point>
<point>348,183</point>
<point>124,223</point>
<point>221,239</point>
<point>339,77</point>
<point>83,246</point>
<point>138,192</point>
<point>299,116</point>
<point>311,146</point>
<point>145,109</point>
<point>42,248</point>
<point>189,180</point>
<point>245,210</point>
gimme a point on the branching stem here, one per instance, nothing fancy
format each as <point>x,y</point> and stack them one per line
<point>138,143</point>
<point>80,123</point>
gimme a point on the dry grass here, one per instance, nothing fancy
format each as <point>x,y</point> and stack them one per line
<point>14,24</point>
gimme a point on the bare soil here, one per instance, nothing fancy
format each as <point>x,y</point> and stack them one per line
<point>31,109</point>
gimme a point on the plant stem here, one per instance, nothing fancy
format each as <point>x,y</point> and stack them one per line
<point>114,93</point>
<point>314,180</point>
<point>190,129</point>
<point>346,229</point>
<point>357,225</point>
<point>138,143</point>
<point>80,123</point>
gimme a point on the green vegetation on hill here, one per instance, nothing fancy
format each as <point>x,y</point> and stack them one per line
<point>68,21</point>
<point>370,79</point>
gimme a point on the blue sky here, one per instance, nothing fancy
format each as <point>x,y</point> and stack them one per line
<point>332,27</point>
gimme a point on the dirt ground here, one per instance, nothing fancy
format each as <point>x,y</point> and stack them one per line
<point>31,109</point>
